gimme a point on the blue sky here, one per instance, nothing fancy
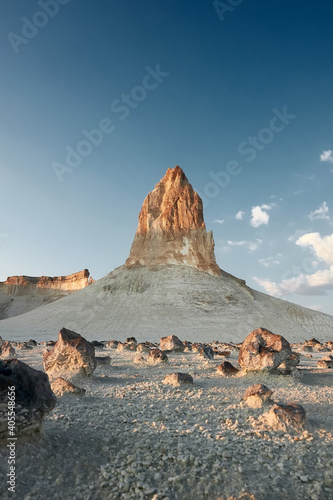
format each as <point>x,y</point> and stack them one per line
<point>99,99</point>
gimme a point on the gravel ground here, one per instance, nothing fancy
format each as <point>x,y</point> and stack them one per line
<point>132,437</point>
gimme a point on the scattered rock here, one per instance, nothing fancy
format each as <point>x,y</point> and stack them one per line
<point>314,342</point>
<point>262,350</point>
<point>142,348</point>
<point>227,369</point>
<point>157,356</point>
<point>112,344</point>
<point>60,386</point>
<point>325,362</point>
<point>307,348</point>
<point>206,352</point>
<point>32,394</point>
<point>103,360</point>
<point>23,346</point>
<point>97,344</point>
<point>286,417</point>
<point>7,350</point>
<point>72,355</point>
<point>131,340</point>
<point>178,379</point>
<point>171,343</point>
<point>139,359</point>
<point>290,364</point>
<point>258,395</point>
<point>225,354</point>
<point>123,347</point>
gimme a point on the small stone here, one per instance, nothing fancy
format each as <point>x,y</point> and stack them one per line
<point>257,395</point>
<point>206,352</point>
<point>60,386</point>
<point>171,343</point>
<point>178,379</point>
<point>157,356</point>
<point>226,369</point>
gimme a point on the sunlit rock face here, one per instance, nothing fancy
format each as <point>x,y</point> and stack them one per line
<point>171,228</point>
<point>21,285</point>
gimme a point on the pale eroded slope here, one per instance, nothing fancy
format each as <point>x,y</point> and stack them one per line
<point>152,302</point>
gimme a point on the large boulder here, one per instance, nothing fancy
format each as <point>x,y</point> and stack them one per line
<point>262,350</point>
<point>171,343</point>
<point>26,392</point>
<point>71,356</point>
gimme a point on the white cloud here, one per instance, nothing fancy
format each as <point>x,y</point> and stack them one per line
<point>252,246</point>
<point>269,286</point>
<point>260,215</point>
<point>322,246</point>
<point>304,284</point>
<point>327,156</point>
<point>239,215</point>
<point>320,213</point>
<point>317,283</point>
<point>219,221</point>
<point>268,261</point>
<point>236,243</point>
<point>297,234</point>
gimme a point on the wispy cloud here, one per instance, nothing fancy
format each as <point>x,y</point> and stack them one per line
<point>327,156</point>
<point>269,261</point>
<point>320,213</point>
<point>239,215</point>
<point>218,221</point>
<point>317,283</point>
<point>252,246</point>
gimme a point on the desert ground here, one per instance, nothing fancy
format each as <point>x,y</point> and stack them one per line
<point>133,437</point>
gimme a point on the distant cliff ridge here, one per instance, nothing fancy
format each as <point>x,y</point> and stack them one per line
<point>21,285</point>
<point>20,294</point>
